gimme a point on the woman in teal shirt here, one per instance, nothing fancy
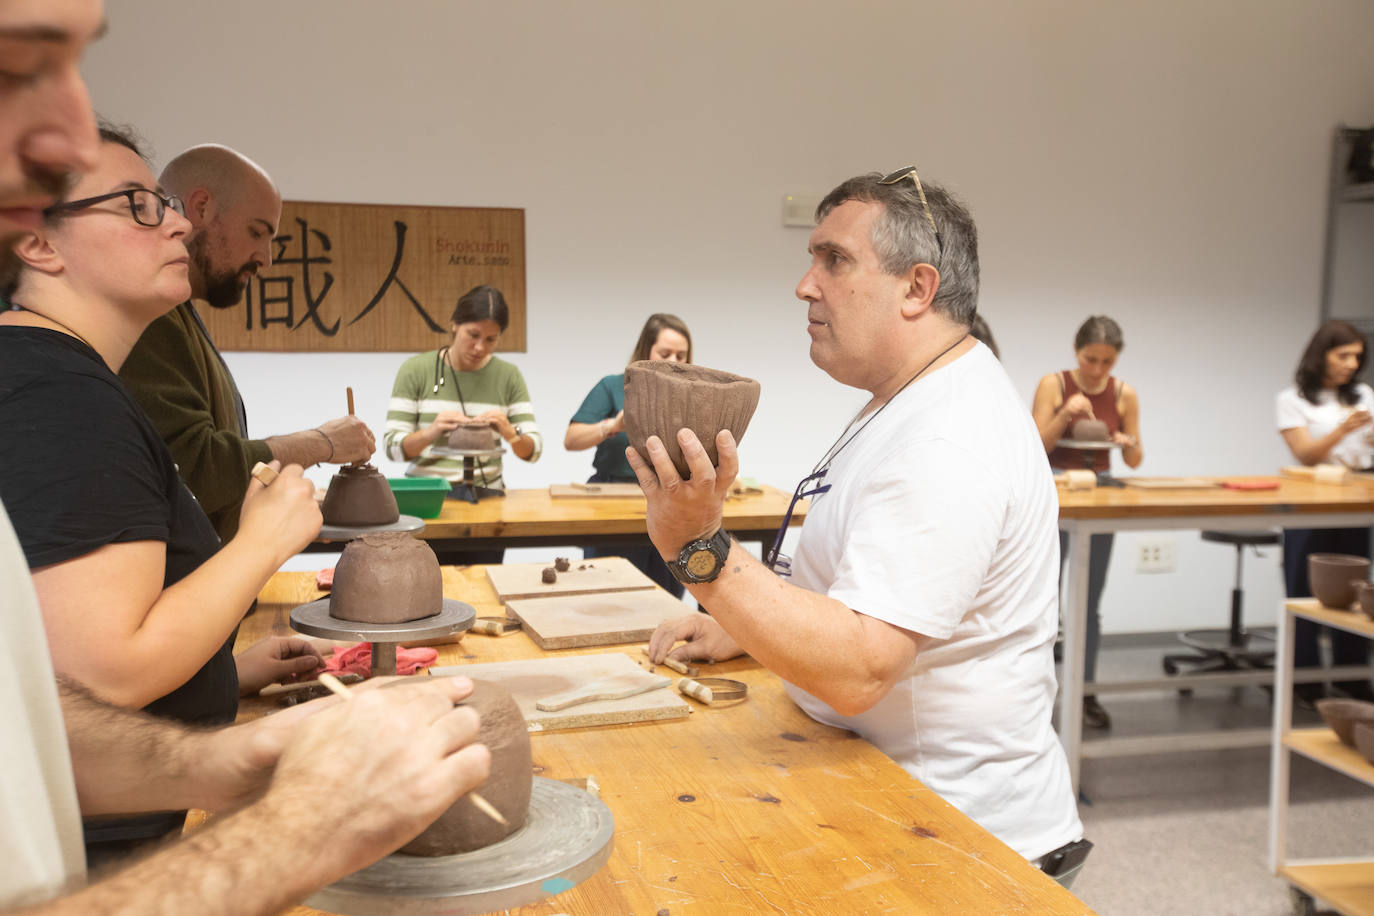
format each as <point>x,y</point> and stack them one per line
<point>600,422</point>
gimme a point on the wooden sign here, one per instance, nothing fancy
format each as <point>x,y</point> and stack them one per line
<point>367,277</point>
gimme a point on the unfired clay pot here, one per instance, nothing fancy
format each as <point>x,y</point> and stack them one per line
<point>1364,740</point>
<point>359,496</point>
<point>662,397</point>
<point>1090,431</point>
<point>388,577</point>
<point>1332,577</point>
<point>1364,592</point>
<point>473,437</point>
<point>463,828</point>
<point>1341,716</point>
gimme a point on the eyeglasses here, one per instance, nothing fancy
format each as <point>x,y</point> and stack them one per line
<point>774,559</point>
<point>910,172</point>
<point>146,206</point>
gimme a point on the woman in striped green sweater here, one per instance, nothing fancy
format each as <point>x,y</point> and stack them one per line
<point>437,390</point>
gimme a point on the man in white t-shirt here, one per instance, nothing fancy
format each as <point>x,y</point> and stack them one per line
<point>922,607</point>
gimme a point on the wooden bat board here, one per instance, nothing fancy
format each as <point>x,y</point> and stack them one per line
<point>596,491</point>
<point>1170,483</point>
<point>602,574</point>
<point>605,619</point>
<point>532,680</point>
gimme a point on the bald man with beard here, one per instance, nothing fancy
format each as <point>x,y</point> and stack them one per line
<point>176,373</point>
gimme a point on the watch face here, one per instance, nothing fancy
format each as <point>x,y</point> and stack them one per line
<point>701,563</point>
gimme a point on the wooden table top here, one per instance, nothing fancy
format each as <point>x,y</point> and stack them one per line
<point>745,807</point>
<point>534,513</point>
<point>1291,496</point>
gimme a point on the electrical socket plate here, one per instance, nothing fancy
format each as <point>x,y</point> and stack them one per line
<point>1156,555</point>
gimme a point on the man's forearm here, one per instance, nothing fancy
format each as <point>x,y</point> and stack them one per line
<point>307,447</point>
<point>248,863</point>
<point>127,761</point>
<point>845,658</point>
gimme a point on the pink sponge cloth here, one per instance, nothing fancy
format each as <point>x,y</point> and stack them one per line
<point>358,659</point>
<point>324,579</point>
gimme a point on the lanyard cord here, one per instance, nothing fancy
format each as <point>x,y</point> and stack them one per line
<point>833,452</point>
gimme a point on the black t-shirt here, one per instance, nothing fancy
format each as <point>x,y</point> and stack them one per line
<point>81,466</point>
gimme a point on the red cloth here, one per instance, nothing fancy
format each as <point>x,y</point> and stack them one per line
<point>358,659</point>
<point>324,579</point>
<point>1266,484</point>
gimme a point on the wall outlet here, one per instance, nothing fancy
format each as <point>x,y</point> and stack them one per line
<point>1157,555</point>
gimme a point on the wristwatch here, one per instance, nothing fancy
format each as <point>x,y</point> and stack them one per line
<point>701,560</point>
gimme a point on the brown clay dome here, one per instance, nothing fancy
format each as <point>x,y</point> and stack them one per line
<point>662,396</point>
<point>359,495</point>
<point>473,437</point>
<point>1332,577</point>
<point>1090,431</point>
<point>389,577</point>
<point>463,828</point>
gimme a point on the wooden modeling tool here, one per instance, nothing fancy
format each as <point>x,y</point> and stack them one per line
<point>712,689</point>
<point>349,390</point>
<point>495,626</point>
<point>673,663</point>
<point>478,801</point>
<point>598,690</point>
<point>263,474</point>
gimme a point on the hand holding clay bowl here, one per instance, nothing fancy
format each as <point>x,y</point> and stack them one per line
<point>473,435</point>
<point>1333,577</point>
<point>1364,740</point>
<point>662,397</point>
<point>1343,715</point>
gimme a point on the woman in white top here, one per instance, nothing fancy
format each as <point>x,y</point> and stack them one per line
<point>1325,418</point>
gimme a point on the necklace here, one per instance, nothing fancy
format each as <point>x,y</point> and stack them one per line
<point>23,308</point>
<point>833,452</point>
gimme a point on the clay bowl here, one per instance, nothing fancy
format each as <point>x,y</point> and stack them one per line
<point>1090,431</point>
<point>1365,593</point>
<point>473,437</point>
<point>1364,740</point>
<point>1332,577</point>
<point>1343,715</point>
<point>463,828</point>
<point>389,577</point>
<point>359,496</point>
<point>662,397</point>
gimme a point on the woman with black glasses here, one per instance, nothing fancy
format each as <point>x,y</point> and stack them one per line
<point>140,600</point>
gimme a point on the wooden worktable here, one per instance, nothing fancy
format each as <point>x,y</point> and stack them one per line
<point>1083,513</point>
<point>532,518</point>
<point>750,807</point>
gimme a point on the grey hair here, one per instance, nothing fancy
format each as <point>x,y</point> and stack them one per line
<point>903,238</point>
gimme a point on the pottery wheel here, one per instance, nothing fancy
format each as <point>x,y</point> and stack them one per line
<point>314,619</point>
<point>330,532</point>
<point>1089,445</point>
<point>445,452</point>
<point>566,839</point>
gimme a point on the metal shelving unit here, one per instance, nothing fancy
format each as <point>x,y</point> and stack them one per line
<point>1343,194</point>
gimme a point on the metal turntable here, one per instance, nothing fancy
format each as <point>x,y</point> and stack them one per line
<point>314,619</point>
<point>405,523</point>
<point>566,839</point>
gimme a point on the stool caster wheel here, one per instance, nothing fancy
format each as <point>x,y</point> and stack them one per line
<point>1170,667</point>
<point>1302,902</point>
<point>1185,691</point>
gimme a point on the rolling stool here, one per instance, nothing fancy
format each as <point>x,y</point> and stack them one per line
<point>1234,648</point>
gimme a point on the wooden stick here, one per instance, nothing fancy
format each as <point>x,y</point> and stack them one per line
<point>478,801</point>
<point>350,401</point>
<point>673,663</point>
<point>264,474</point>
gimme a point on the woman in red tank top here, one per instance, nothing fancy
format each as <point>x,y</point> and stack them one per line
<point>1090,392</point>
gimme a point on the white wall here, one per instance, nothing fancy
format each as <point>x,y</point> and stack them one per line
<point>1163,162</point>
